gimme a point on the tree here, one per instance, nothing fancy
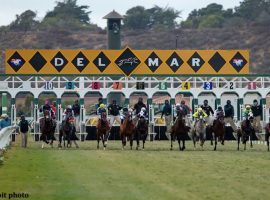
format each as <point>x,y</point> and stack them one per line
<point>67,14</point>
<point>24,22</point>
<point>251,9</point>
<point>140,18</point>
<point>136,18</point>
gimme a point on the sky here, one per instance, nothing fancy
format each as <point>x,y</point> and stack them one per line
<point>99,8</point>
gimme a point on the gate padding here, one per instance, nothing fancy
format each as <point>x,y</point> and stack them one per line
<point>127,62</point>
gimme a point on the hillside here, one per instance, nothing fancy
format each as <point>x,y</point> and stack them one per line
<point>254,38</point>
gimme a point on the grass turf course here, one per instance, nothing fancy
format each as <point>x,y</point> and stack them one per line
<point>155,173</point>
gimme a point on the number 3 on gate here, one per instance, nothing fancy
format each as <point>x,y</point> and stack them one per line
<point>95,85</point>
<point>185,85</point>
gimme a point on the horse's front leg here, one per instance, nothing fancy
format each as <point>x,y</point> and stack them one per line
<point>178,139</point>
<point>183,141</point>
<point>137,136</point>
<point>123,138</point>
<point>215,138</point>
<point>267,139</point>
<point>144,139</point>
<point>98,140</point>
<point>172,141</point>
<point>131,141</point>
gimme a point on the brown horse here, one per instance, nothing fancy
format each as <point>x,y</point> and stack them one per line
<point>267,135</point>
<point>141,131</point>
<point>246,132</point>
<point>127,131</point>
<point>66,130</point>
<point>218,131</point>
<point>103,130</point>
<point>179,130</point>
<point>47,128</point>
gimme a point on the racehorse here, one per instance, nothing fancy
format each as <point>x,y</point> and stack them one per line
<point>103,130</point>
<point>65,132</point>
<point>127,131</point>
<point>267,135</point>
<point>218,131</point>
<point>200,131</point>
<point>179,130</point>
<point>141,131</point>
<point>47,128</point>
<point>246,132</point>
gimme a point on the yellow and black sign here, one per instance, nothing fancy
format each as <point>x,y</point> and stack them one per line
<point>127,62</point>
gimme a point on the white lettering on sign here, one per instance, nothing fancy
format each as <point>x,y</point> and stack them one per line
<point>100,64</point>
<point>80,62</point>
<point>196,62</point>
<point>174,62</point>
<point>152,62</point>
<point>58,62</point>
<point>127,61</point>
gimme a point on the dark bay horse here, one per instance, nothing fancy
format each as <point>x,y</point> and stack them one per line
<point>267,135</point>
<point>47,128</point>
<point>103,130</point>
<point>141,131</point>
<point>179,130</point>
<point>127,131</point>
<point>218,131</point>
<point>66,129</point>
<point>246,132</point>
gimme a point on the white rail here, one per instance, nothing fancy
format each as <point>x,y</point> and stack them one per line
<point>5,134</point>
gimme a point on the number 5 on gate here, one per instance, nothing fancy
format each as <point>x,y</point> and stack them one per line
<point>185,85</point>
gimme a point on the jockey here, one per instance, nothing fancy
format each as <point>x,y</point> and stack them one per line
<point>142,113</point>
<point>114,113</point>
<point>218,114</point>
<point>47,106</point>
<point>100,101</point>
<point>199,112</point>
<point>247,112</point>
<point>68,112</point>
<point>101,109</point>
<point>186,110</point>
<point>125,113</point>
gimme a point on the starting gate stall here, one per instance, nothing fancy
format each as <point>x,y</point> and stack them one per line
<point>158,101</point>
<point>131,72</point>
<point>90,111</point>
<point>120,100</point>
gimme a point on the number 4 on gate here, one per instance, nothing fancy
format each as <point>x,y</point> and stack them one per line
<point>185,85</point>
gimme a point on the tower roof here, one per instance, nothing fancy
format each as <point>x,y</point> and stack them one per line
<point>113,15</point>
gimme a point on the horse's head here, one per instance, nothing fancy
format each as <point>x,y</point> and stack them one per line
<point>47,115</point>
<point>104,116</point>
<point>70,119</point>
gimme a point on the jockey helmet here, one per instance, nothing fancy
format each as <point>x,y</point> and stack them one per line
<point>102,105</point>
<point>177,105</point>
<point>130,110</point>
<point>248,107</point>
<point>205,101</point>
<point>69,106</point>
<point>47,101</point>
<point>200,109</point>
<point>219,108</point>
<point>229,102</point>
<point>125,109</point>
<point>183,102</point>
<point>143,109</point>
